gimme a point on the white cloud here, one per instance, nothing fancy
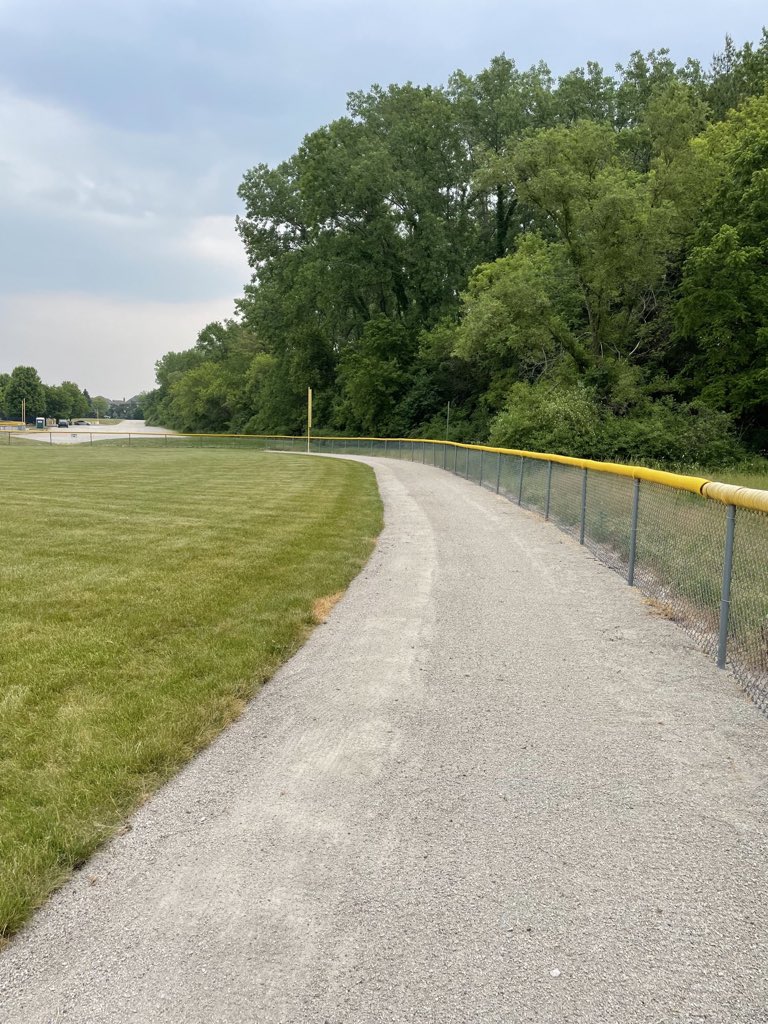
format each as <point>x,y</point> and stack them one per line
<point>53,157</point>
<point>108,346</point>
<point>214,240</point>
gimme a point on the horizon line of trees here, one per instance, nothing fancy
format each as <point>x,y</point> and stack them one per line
<point>57,401</point>
<point>577,265</point>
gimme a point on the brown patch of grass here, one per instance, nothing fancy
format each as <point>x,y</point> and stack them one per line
<point>665,611</point>
<point>323,606</point>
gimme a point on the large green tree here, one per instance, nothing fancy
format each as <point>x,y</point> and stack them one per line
<point>722,314</point>
<point>24,384</point>
<point>613,228</point>
<point>4,378</point>
<point>66,401</point>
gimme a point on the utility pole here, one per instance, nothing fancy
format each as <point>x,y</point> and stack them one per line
<point>24,411</point>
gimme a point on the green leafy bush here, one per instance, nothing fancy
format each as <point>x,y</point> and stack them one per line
<point>671,433</point>
<point>569,420</point>
<point>546,417</point>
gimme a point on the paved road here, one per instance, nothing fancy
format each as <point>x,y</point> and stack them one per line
<point>493,788</point>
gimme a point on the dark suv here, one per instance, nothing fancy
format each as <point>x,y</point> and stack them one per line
<point>63,423</point>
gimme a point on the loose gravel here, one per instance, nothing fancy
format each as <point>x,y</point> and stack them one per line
<point>494,787</point>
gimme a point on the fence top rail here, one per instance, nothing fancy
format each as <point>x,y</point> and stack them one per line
<point>732,494</point>
<point>727,494</point>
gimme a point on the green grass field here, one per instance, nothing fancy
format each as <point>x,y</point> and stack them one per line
<point>146,596</point>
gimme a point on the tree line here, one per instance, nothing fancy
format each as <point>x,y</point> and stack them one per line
<point>576,264</point>
<point>56,401</point>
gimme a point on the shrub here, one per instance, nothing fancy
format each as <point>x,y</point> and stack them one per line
<point>546,417</point>
<point>672,433</point>
<point>567,419</point>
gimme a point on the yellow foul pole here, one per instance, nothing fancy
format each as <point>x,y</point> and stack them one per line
<point>309,416</point>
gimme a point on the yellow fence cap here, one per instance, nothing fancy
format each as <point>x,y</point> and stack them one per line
<point>732,494</point>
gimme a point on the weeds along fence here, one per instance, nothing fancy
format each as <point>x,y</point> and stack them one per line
<point>698,549</point>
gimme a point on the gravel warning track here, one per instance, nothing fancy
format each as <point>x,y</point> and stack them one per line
<point>494,787</point>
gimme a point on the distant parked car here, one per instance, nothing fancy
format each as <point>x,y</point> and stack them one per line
<point>63,423</point>
<point>81,423</point>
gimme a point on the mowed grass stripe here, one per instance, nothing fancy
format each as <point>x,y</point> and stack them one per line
<point>145,597</point>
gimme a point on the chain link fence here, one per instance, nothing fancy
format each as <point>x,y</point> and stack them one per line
<point>701,562</point>
<point>44,440</point>
<point>670,543</point>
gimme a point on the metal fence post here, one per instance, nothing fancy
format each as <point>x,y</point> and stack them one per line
<point>520,488</point>
<point>466,468</point>
<point>725,598</point>
<point>445,456</point>
<point>498,472</point>
<point>583,523</point>
<point>455,457</point>
<point>482,453</point>
<point>549,490</point>
<point>633,533</point>
<point>386,442</point>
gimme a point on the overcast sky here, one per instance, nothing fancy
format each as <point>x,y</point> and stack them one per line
<point>125,131</point>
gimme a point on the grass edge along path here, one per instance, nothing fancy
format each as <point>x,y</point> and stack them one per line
<point>145,600</point>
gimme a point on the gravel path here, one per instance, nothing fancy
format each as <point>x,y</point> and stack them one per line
<point>494,787</point>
